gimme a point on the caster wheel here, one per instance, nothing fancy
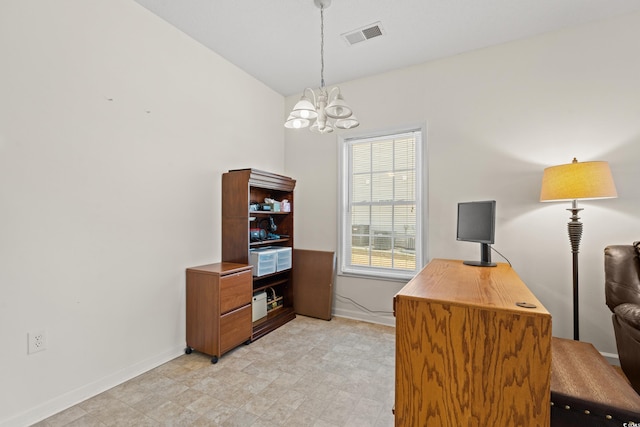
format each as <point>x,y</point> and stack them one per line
<point>214,360</point>
<point>188,350</point>
<point>247,342</point>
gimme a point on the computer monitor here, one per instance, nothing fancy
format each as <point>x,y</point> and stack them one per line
<point>476,223</point>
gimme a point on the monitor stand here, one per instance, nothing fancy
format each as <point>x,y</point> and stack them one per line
<point>485,257</point>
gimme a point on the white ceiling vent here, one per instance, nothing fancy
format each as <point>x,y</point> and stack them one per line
<point>365,33</point>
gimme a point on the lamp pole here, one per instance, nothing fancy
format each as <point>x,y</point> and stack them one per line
<point>575,234</point>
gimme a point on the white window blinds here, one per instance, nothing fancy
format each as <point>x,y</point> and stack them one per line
<point>381,205</point>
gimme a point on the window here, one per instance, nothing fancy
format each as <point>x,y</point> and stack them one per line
<point>381,209</point>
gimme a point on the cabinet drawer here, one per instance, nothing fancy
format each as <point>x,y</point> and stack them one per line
<point>235,328</point>
<point>235,291</point>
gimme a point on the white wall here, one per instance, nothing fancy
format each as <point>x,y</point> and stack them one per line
<point>496,118</point>
<point>115,128</point>
<point>114,131</point>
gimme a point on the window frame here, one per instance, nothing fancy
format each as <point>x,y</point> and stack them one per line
<point>345,268</point>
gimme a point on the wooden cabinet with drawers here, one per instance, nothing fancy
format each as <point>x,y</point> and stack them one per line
<point>218,308</point>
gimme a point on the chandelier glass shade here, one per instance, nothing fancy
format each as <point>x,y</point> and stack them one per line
<point>326,110</point>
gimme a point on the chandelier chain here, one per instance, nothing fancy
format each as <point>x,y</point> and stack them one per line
<point>322,46</point>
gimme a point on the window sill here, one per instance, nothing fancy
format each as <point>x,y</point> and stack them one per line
<point>377,276</point>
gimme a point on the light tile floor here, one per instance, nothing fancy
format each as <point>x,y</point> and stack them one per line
<point>308,372</point>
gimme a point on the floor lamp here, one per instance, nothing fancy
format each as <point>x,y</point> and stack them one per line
<point>574,181</point>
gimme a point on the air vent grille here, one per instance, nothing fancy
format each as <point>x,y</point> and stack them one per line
<point>372,32</point>
<point>365,33</point>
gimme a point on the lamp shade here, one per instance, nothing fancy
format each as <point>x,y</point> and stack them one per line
<point>304,109</point>
<point>348,123</point>
<point>338,109</point>
<point>577,180</point>
<point>296,123</point>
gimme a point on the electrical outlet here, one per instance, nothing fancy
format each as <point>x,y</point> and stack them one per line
<point>37,341</point>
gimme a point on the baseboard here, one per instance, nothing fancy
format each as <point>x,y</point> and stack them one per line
<point>612,358</point>
<point>390,320</point>
<point>381,319</point>
<point>85,392</point>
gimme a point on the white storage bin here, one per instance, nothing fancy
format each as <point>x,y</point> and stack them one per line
<point>283,261</point>
<point>263,261</point>
<point>259,306</point>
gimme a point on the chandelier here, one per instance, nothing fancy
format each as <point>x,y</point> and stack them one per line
<point>327,108</point>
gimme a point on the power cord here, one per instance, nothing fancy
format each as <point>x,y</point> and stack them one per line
<point>362,307</point>
<point>505,258</point>
<point>368,310</point>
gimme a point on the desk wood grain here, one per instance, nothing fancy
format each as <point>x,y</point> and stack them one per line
<point>466,354</point>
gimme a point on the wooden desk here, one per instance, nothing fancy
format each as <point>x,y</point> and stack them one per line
<point>466,354</point>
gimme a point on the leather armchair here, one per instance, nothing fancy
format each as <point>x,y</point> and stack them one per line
<point>622,292</point>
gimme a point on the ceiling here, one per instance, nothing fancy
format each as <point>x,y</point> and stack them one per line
<point>278,41</point>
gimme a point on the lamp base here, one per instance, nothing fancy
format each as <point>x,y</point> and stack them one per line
<point>480,263</point>
<point>575,235</point>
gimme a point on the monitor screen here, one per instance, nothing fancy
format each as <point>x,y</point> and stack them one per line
<point>476,221</point>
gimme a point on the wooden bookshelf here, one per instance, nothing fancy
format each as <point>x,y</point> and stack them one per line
<point>240,189</point>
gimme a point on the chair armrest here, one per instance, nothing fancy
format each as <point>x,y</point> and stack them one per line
<point>630,313</point>
<point>622,275</point>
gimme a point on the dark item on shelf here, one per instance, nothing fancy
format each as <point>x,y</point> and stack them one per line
<point>257,234</point>
<point>268,224</point>
<point>273,300</point>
